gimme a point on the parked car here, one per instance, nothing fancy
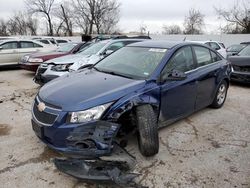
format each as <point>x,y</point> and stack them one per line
<point>141,87</point>
<point>235,49</point>
<point>241,66</point>
<point>32,61</point>
<point>57,67</point>
<point>218,46</point>
<point>47,41</point>
<point>11,51</point>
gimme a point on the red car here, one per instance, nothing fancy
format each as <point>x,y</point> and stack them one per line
<point>32,61</point>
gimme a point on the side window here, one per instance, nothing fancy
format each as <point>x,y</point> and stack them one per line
<point>129,42</point>
<point>181,61</point>
<point>37,45</point>
<point>9,45</point>
<point>203,56</point>
<point>215,57</point>
<point>45,41</point>
<point>115,46</point>
<point>214,46</point>
<point>27,44</point>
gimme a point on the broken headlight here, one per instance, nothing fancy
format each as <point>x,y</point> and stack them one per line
<point>64,67</point>
<point>88,115</point>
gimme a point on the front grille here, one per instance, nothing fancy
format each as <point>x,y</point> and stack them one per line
<point>241,68</point>
<point>44,117</point>
<point>41,70</point>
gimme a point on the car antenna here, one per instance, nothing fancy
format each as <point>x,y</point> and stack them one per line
<point>184,39</point>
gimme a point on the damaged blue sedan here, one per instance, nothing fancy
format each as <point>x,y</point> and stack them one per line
<point>138,89</point>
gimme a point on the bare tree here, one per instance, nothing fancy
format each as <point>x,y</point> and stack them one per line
<point>143,29</point>
<point>21,23</point>
<point>44,7</point>
<point>238,16</point>
<point>101,15</point>
<point>194,22</point>
<point>106,15</point>
<point>3,28</point>
<point>65,17</point>
<point>171,29</point>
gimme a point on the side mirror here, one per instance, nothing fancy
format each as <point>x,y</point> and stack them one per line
<point>1,48</point>
<point>174,75</point>
<point>107,52</point>
<point>234,54</point>
<point>217,48</point>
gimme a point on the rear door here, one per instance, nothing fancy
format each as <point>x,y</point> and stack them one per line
<point>9,52</point>
<point>27,47</point>
<point>209,68</point>
<point>178,97</point>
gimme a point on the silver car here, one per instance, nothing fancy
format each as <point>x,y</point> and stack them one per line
<point>92,54</point>
<point>11,51</point>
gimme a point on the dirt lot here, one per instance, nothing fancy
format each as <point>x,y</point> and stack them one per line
<point>209,149</point>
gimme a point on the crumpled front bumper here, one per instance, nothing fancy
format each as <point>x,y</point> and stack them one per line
<point>95,156</point>
<point>92,140</point>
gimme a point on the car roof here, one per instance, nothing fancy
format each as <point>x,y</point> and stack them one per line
<point>164,44</point>
<point>157,44</point>
<point>20,40</point>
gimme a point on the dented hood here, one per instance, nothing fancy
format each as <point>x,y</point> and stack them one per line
<point>86,89</point>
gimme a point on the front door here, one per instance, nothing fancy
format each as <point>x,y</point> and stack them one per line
<point>9,53</point>
<point>178,97</point>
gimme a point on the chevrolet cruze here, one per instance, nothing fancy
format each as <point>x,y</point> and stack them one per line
<point>138,89</point>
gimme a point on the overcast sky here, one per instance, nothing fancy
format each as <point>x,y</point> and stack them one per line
<point>152,13</point>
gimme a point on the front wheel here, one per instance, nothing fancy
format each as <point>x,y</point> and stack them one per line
<point>148,138</point>
<point>221,95</point>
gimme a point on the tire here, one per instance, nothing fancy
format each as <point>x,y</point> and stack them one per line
<point>148,138</point>
<point>221,95</point>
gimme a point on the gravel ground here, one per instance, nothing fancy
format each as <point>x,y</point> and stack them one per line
<point>211,148</point>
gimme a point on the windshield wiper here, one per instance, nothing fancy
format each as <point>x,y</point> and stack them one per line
<point>113,73</point>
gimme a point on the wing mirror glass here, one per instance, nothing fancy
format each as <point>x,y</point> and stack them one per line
<point>107,52</point>
<point>174,75</point>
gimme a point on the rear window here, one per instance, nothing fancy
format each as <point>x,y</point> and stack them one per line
<point>203,56</point>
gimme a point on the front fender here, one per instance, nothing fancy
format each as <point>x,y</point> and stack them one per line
<point>150,94</point>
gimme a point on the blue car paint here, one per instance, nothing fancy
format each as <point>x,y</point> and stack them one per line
<point>171,100</point>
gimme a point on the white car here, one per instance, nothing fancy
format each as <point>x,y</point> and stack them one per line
<point>218,46</point>
<point>11,51</point>
<point>90,55</point>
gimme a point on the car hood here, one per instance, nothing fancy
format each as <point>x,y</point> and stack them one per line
<point>78,60</point>
<point>86,89</point>
<point>240,60</point>
<point>47,55</point>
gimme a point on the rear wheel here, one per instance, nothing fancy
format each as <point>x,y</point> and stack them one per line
<point>147,130</point>
<point>221,95</point>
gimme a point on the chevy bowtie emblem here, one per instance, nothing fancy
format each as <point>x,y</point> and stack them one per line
<point>41,106</point>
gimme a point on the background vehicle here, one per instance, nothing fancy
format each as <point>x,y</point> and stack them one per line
<point>140,87</point>
<point>11,51</point>
<point>32,61</point>
<point>235,49</point>
<point>241,66</point>
<point>91,55</point>
<point>218,46</point>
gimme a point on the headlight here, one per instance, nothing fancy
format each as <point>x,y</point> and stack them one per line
<point>64,67</point>
<point>88,115</point>
<point>35,60</point>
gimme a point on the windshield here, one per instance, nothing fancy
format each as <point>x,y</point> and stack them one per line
<point>245,51</point>
<point>236,48</point>
<point>132,62</point>
<point>66,47</point>
<point>93,48</point>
